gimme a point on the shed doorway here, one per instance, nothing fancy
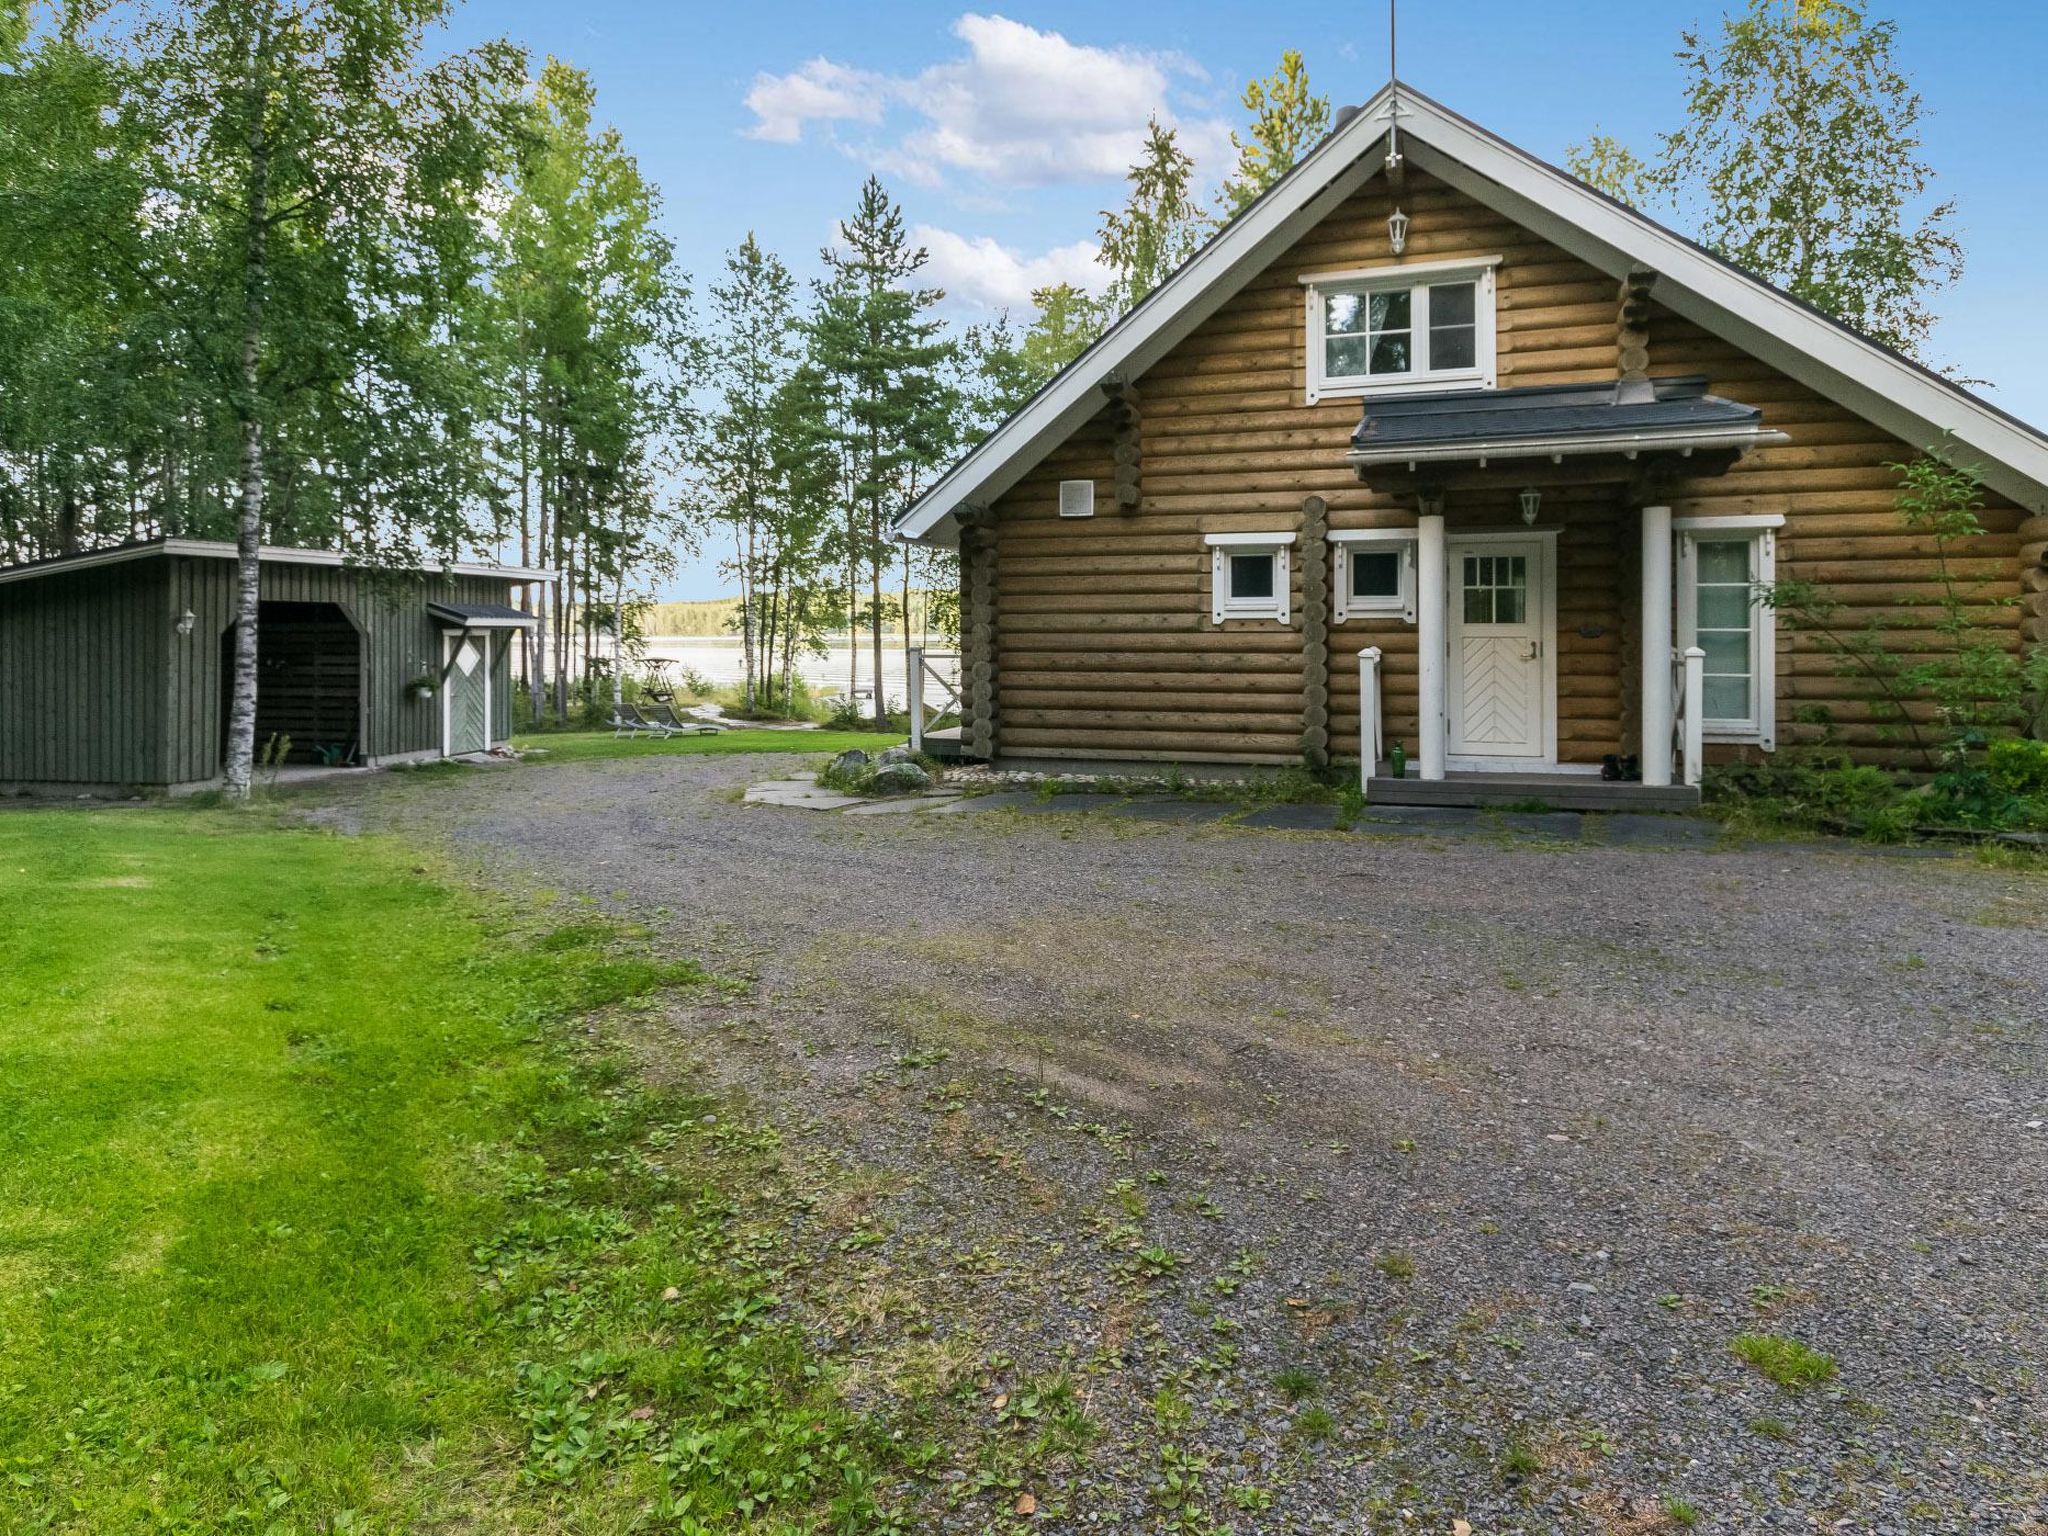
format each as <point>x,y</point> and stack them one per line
<point>466,694</point>
<point>309,682</point>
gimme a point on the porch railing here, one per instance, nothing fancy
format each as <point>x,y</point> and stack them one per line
<point>1370,728</point>
<point>1688,734</point>
<point>921,670</point>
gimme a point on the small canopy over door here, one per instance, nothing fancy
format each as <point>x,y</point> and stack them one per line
<point>471,643</point>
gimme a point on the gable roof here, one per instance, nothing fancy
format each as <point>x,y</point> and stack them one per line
<point>1890,390</point>
<point>270,554</point>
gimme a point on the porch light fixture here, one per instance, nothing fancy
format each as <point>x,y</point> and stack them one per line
<point>186,620</point>
<point>1532,503</point>
<point>1397,231</point>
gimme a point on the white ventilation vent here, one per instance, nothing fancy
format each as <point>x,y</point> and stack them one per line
<point>1077,498</point>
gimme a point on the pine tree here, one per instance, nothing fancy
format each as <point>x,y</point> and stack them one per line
<point>752,352</point>
<point>883,357</point>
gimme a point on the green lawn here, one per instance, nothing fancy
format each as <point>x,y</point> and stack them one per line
<point>312,1217</point>
<point>582,746</point>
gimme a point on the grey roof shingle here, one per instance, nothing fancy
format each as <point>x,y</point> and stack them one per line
<point>1544,411</point>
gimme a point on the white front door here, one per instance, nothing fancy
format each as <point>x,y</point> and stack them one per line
<point>1500,633</point>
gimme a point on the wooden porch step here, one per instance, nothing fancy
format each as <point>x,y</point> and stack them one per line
<point>944,743</point>
<point>1557,791</point>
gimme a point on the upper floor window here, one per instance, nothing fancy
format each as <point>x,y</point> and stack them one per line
<point>1425,325</point>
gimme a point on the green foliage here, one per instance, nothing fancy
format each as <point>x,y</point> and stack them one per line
<point>1963,684</point>
<point>1800,160</point>
<point>884,370</point>
<point>1287,120</point>
<point>1296,1383</point>
<point>583,746</point>
<point>1607,165</point>
<point>1784,1361</point>
<point>1159,226</point>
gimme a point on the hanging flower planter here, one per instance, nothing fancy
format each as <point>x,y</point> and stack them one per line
<point>420,688</point>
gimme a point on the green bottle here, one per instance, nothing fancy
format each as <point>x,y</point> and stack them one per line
<point>1397,761</point>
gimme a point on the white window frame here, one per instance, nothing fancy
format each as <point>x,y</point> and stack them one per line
<point>1417,277</point>
<point>1348,606</point>
<point>1761,728</point>
<point>1225,547</point>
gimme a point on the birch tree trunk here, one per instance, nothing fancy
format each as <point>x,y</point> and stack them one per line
<point>239,769</point>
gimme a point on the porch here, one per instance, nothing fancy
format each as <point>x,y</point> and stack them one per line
<point>1480,694</point>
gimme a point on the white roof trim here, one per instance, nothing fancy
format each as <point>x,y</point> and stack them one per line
<point>1336,168</point>
<point>1891,391</point>
<point>276,554</point>
<point>1903,398</point>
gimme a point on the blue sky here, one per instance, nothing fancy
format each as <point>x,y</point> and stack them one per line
<point>1002,129</point>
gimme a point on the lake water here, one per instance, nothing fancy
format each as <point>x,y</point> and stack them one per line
<point>720,658</point>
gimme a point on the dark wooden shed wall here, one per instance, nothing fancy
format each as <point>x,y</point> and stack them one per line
<point>96,687</point>
<point>81,669</point>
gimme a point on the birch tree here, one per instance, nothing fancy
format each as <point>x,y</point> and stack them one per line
<point>1800,160</point>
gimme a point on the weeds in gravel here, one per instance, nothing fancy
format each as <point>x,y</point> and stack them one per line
<point>1396,1265</point>
<point>1680,1513</point>
<point>1784,1361</point>
<point>1519,1461</point>
<point>1313,1425</point>
<point>1296,1383</point>
<point>1770,1428</point>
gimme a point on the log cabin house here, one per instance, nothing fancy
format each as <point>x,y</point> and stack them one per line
<point>1436,445</point>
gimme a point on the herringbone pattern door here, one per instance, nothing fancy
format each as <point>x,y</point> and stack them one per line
<point>1497,627</point>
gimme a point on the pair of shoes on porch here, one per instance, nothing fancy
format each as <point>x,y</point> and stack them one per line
<point>1617,769</point>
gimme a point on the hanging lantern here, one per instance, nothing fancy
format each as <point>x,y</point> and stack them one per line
<point>1532,503</point>
<point>1397,231</point>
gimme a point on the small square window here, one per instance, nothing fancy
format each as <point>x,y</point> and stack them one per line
<point>1248,575</point>
<point>1251,576</point>
<point>1373,576</point>
<point>1376,573</point>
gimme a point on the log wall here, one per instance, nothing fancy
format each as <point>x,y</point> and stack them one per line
<point>1105,643</point>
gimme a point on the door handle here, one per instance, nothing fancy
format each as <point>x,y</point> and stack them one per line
<point>1535,649</point>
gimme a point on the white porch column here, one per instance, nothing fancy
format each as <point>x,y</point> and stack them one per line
<point>1368,716</point>
<point>1657,702</point>
<point>1431,636</point>
<point>913,658</point>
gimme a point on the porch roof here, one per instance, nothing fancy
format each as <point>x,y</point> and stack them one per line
<point>1624,417</point>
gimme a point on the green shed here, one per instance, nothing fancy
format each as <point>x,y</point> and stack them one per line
<point>115,664</point>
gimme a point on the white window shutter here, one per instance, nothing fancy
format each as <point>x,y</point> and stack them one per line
<point>1077,498</point>
<point>1219,579</point>
<point>1281,590</point>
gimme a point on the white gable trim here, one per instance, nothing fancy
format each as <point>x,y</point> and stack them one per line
<point>1919,407</point>
<point>1246,247</point>
<point>1886,389</point>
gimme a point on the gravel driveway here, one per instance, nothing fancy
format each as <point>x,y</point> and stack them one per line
<point>1195,1177</point>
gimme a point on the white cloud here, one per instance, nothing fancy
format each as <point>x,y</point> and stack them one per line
<point>1021,107</point>
<point>820,91</point>
<point>979,271</point>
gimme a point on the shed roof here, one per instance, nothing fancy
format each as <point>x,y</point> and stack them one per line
<point>480,616</point>
<point>216,549</point>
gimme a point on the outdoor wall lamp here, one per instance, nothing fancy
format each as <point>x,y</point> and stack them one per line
<point>186,620</point>
<point>1532,503</point>
<point>1397,231</point>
